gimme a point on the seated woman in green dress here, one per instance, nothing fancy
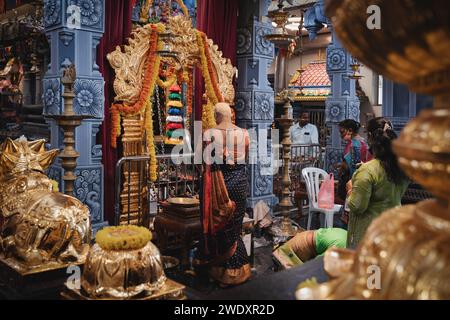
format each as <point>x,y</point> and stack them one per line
<point>376,185</point>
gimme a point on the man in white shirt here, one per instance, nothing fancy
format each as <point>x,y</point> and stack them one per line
<point>304,133</point>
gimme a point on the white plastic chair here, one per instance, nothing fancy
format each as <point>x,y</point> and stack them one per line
<point>313,177</point>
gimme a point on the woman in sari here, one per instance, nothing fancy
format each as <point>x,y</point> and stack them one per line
<point>223,200</point>
<point>356,150</point>
<point>355,153</point>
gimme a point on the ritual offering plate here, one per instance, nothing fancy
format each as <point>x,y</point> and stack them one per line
<point>123,264</point>
<point>184,202</point>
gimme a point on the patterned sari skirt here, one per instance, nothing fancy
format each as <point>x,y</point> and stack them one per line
<point>228,258</point>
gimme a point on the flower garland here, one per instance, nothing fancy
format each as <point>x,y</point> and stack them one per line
<point>151,74</point>
<point>169,82</point>
<point>150,140</point>
<point>212,88</point>
<point>211,70</point>
<point>208,118</point>
<point>208,72</point>
<point>127,237</point>
<point>115,123</point>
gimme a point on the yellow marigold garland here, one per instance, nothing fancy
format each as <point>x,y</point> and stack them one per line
<point>127,237</point>
<point>150,74</point>
<point>150,141</point>
<point>212,88</point>
<point>211,69</point>
<point>205,72</point>
<point>208,119</point>
<point>166,84</point>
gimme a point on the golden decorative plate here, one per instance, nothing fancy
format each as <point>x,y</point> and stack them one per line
<point>184,202</point>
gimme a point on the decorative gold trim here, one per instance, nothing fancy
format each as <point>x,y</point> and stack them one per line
<point>128,64</point>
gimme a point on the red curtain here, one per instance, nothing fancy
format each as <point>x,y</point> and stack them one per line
<point>218,19</point>
<point>117,30</point>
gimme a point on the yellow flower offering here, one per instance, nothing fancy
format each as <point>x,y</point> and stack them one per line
<point>127,237</point>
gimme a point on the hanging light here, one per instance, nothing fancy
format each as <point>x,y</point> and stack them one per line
<point>293,23</point>
<point>280,37</point>
<point>300,70</point>
<point>355,65</point>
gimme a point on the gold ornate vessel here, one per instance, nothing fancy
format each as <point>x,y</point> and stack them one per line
<point>408,244</point>
<point>123,264</point>
<point>42,229</point>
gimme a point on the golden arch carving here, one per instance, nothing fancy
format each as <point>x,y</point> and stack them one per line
<point>129,63</point>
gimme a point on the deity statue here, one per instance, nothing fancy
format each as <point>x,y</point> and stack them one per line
<point>11,76</point>
<point>39,228</point>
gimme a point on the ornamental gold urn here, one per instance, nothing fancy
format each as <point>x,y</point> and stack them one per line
<point>409,245</point>
<point>40,229</point>
<point>123,264</point>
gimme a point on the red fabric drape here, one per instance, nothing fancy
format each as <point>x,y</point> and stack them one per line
<point>218,19</point>
<point>117,30</point>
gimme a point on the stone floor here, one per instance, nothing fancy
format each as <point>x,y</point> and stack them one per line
<point>200,285</point>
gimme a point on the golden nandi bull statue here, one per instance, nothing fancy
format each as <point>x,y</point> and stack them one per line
<point>39,228</point>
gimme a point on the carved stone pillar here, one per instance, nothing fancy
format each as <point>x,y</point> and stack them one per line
<point>74,40</point>
<point>254,97</point>
<point>343,102</point>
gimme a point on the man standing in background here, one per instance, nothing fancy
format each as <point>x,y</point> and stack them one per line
<point>304,133</point>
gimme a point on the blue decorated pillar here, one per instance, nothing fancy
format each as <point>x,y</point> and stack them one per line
<point>74,29</point>
<point>254,96</point>
<point>343,102</point>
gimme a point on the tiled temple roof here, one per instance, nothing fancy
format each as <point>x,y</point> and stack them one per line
<point>315,83</point>
<point>315,75</point>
